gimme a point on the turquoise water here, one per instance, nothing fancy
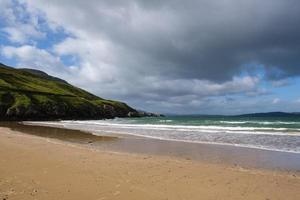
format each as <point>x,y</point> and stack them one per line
<point>279,134</point>
<point>290,124</point>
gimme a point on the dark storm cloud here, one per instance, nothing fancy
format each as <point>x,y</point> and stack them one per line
<point>201,39</point>
<point>211,40</point>
<point>174,52</point>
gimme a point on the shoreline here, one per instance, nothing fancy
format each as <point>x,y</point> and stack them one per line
<point>128,134</point>
<point>244,157</point>
<point>51,169</point>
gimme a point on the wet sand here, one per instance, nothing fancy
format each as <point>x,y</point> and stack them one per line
<point>34,167</point>
<point>211,153</point>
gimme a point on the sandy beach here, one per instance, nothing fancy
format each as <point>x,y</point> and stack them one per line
<point>33,167</point>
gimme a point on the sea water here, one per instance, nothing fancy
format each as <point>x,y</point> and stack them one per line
<point>271,133</point>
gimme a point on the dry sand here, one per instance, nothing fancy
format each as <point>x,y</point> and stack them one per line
<point>32,167</point>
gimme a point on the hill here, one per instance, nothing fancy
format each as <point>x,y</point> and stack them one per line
<point>271,114</point>
<point>27,94</point>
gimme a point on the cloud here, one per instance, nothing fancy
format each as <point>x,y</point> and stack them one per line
<point>7,11</point>
<point>19,27</point>
<point>22,32</point>
<point>165,36</point>
<point>32,57</point>
<point>280,83</point>
<point>201,88</point>
<point>162,54</point>
<point>276,101</point>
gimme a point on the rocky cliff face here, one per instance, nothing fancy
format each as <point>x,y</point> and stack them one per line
<point>34,95</point>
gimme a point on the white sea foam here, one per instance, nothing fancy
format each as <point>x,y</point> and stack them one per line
<point>279,139</point>
<point>165,121</point>
<point>260,122</point>
<point>202,142</point>
<point>183,128</point>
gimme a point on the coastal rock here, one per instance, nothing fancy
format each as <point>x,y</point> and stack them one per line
<point>144,114</point>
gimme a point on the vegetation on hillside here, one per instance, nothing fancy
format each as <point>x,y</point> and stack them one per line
<point>33,95</point>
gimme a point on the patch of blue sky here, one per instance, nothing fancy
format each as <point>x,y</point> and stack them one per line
<point>285,91</point>
<point>69,60</point>
<point>252,69</point>
<point>52,38</point>
<point>5,42</point>
<point>18,10</point>
<point>289,91</point>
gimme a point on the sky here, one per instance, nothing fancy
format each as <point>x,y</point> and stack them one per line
<point>171,56</point>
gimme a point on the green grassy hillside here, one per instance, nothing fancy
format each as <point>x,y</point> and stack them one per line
<point>34,95</point>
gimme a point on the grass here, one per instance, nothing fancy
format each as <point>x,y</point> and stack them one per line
<point>20,88</point>
<point>21,100</point>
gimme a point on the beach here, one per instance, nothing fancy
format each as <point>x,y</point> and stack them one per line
<point>150,100</point>
<point>34,167</point>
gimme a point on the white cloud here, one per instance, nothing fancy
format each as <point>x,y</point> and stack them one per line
<point>276,101</point>
<point>20,27</point>
<point>21,33</point>
<point>32,57</point>
<point>95,58</point>
<point>7,11</point>
<point>280,83</point>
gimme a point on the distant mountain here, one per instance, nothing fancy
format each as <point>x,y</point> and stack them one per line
<point>267,114</point>
<point>27,94</point>
<point>271,114</point>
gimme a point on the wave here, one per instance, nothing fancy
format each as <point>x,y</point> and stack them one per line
<point>180,128</point>
<point>185,127</point>
<point>260,122</point>
<point>204,142</point>
<point>235,136</point>
<point>166,121</point>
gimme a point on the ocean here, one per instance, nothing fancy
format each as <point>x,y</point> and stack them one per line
<point>269,133</point>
